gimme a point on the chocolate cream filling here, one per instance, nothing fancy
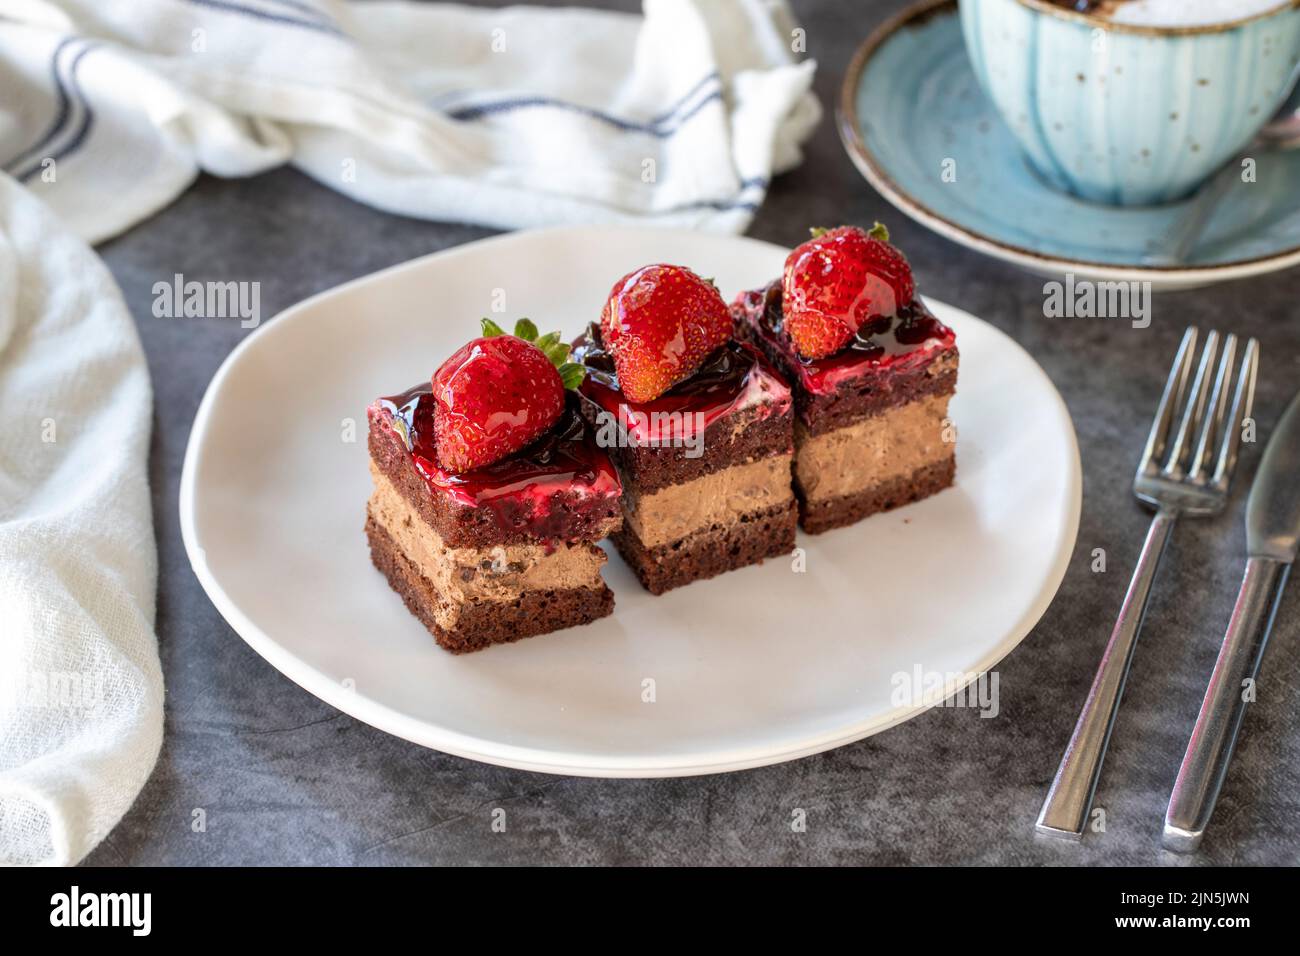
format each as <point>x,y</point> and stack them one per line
<point>855,458</point>
<point>720,498</point>
<point>477,575</point>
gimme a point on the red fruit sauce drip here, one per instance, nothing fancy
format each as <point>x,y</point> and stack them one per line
<point>906,340</point>
<point>520,491</point>
<point>730,376</point>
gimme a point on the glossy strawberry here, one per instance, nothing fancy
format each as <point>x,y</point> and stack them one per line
<point>497,394</point>
<point>839,280</point>
<point>660,323</point>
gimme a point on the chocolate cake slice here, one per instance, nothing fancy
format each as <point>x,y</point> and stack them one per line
<point>498,553</point>
<point>705,467</point>
<point>871,430</point>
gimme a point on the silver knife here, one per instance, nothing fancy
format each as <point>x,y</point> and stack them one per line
<point>1272,535</point>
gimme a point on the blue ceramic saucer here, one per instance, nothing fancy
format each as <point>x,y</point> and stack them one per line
<point>916,123</point>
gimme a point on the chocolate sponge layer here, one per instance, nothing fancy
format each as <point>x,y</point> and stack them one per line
<point>825,514</point>
<point>482,625</point>
<point>710,551</point>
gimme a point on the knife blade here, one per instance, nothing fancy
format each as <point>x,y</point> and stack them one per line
<point>1272,536</point>
<point>1273,510</point>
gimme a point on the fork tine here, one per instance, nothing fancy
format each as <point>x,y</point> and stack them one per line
<point>1175,387</point>
<point>1193,409</point>
<point>1242,404</point>
<point>1212,423</point>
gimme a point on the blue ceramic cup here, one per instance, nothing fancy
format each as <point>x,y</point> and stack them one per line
<point>1127,114</point>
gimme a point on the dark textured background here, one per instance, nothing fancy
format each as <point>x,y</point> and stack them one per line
<point>284,778</point>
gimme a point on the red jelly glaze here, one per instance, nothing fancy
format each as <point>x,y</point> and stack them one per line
<point>521,491</point>
<point>731,375</point>
<point>906,340</point>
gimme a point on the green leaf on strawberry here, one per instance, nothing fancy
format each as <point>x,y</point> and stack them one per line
<point>552,346</point>
<point>572,374</point>
<point>558,354</point>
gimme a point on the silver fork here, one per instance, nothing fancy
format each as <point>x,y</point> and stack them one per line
<point>1174,477</point>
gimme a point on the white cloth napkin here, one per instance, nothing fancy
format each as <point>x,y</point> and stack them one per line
<point>509,117</point>
<point>81,692</point>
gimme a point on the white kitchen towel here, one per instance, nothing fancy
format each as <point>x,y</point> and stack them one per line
<point>508,117</point>
<point>81,691</point>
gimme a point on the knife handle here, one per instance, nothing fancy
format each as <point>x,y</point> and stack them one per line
<point>1210,749</point>
<point>1065,811</point>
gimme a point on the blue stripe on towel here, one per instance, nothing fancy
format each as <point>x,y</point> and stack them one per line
<point>87,114</point>
<point>303,7</point>
<point>229,6</point>
<point>83,128</point>
<point>662,126</point>
<point>720,205</point>
<point>60,116</point>
<point>70,96</point>
<point>724,205</point>
<point>690,94</point>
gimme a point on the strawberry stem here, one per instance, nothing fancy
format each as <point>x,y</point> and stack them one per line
<point>878,231</point>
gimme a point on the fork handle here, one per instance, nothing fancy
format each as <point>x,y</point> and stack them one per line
<point>1210,749</point>
<point>1065,811</point>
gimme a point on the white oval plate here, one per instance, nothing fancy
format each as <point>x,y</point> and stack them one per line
<point>758,666</point>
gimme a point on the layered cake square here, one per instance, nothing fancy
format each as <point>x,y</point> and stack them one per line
<point>872,372</point>
<point>489,495</point>
<point>703,441</point>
